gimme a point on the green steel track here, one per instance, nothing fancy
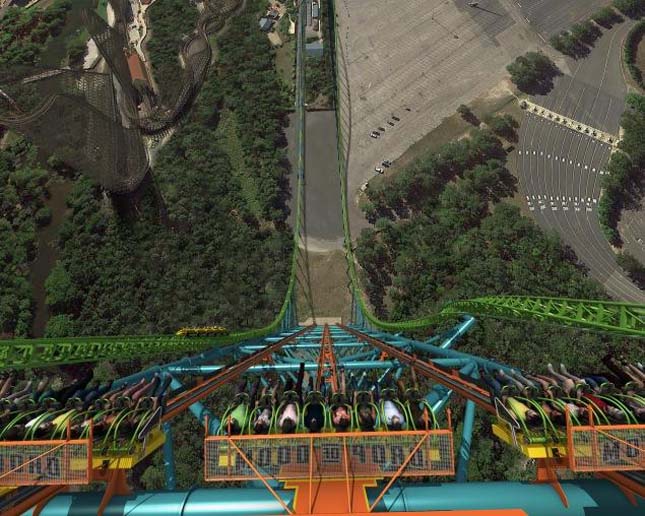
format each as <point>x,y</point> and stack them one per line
<point>604,316</point>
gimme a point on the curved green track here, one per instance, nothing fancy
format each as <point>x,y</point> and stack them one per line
<point>617,318</point>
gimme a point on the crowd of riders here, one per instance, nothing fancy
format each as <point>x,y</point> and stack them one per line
<point>35,410</point>
<point>299,407</point>
<point>548,399</point>
<point>32,409</point>
<point>543,401</point>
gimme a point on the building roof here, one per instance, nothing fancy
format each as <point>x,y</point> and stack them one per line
<point>136,67</point>
<point>314,10</point>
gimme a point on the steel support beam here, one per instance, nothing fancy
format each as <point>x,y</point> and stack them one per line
<point>466,389</point>
<point>197,393</point>
<point>197,409</point>
<point>266,368</point>
<point>466,439</point>
<point>169,458</point>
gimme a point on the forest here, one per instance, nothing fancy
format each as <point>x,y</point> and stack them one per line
<point>24,33</point>
<point>444,229</point>
<point>22,211</point>
<point>252,89</point>
<point>171,22</point>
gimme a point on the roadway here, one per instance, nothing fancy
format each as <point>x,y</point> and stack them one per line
<point>560,171</point>
<point>323,227</point>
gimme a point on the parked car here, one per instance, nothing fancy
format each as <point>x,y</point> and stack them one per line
<point>382,129</point>
<point>396,118</point>
<point>386,163</point>
<point>375,134</point>
<point>364,186</point>
<point>378,170</point>
<point>390,123</point>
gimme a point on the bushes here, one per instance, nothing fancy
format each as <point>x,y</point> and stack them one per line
<point>621,174</point>
<point>504,126</point>
<point>631,48</point>
<point>631,8</point>
<point>576,42</point>
<point>634,269</point>
<point>606,17</point>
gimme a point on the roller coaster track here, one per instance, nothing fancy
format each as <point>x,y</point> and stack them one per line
<point>603,316</point>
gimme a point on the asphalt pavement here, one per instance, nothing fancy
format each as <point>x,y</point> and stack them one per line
<point>322,222</point>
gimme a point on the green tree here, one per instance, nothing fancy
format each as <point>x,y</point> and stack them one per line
<point>504,126</point>
<point>533,72</point>
<point>631,8</point>
<point>635,269</point>
<point>61,293</point>
<point>606,17</point>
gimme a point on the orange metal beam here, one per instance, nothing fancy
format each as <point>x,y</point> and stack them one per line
<point>453,381</point>
<point>625,483</point>
<point>327,362</point>
<point>225,375</point>
<point>398,472</point>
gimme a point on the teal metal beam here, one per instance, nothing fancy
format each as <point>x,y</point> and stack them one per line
<point>586,497</point>
<point>466,438</point>
<point>265,368</point>
<point>169,457</point>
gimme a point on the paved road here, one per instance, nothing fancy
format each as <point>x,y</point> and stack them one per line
<point>560,170</point>
<point>323,224</point>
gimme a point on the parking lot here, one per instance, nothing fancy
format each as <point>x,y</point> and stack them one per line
<point>560,170</point>
<point>549,17</point>
<point>418,60</point>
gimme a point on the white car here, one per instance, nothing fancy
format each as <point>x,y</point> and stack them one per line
<point>364,186</point>
<point>375,134</point>
<point>378,170</point>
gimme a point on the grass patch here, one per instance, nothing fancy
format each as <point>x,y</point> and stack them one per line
<point>101,9</point>
<point>328,280</point>
<point>227,129</point>
<point>285,61</point>
<point>452,128</point>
